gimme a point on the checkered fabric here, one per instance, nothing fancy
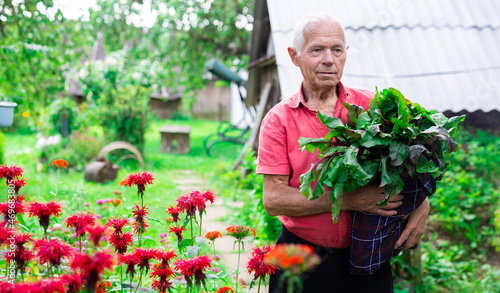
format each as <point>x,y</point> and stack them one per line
<point>373,236</point>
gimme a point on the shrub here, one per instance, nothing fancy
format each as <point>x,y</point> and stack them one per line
<point>2,139</point>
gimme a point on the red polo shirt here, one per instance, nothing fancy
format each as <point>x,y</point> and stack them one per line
<point>279,154</point>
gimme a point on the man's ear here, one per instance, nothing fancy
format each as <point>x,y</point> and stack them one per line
<point>293,55</point>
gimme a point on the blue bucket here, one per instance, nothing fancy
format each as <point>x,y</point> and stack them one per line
<point>6,113</point>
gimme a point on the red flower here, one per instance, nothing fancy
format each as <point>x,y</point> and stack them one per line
<point>80,222</point>
<point>43,211</point>
<point>213,235</point>
<point>256,264</point>
<point>96,233</point>
<point>140,179</point>
<point>20,255</point>
<point>225,289</point>
<point>17,207</point>
<point>191,203</point>
<point>92,266</point>
<point>118,224</point>
<point>139,215</point>
<point>209,196</point>
<point>174,212</point>
<point>11,172</point>
<point>52,251</point>
<point>163,274</point>
<point>178,232</point>
<point>194,267</point>
<point>239,232</point>
<point>121,242</point>
<point>131,261</point>
<point>18,183</point>
<point>5,233</point>
<point>72,282</point>
<point>60,163</point>
<point>143,256</point>
<point>49,286</point>
<point>165,256</point>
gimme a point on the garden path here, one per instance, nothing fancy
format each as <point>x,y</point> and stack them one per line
<point>188,180</point>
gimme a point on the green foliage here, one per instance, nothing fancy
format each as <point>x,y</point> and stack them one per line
<point>78,150</point>
<point>448,268</point>
<point>2,140</point>
<point>250,190</point>
<point>468,197</point>
<point>118,99</point>
<point>394,139</point>
<point>61,117</point>
<point>174,47</point>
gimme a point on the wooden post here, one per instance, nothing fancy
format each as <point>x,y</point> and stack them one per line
<point>413,257</point>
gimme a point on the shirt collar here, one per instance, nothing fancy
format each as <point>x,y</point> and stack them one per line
<point>298,98</point>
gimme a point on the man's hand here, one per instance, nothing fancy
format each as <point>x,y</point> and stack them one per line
<point>415,227</point>
<point>364,199</point>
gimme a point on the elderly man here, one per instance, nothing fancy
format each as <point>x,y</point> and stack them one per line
<point>319,50</point>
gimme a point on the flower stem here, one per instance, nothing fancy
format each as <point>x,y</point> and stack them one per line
<point>80,240</point>
<point>290,285</point>
<point>121,278</point>
<point>258,288</point>
<point>238,266</point>
<point>192,235</point>
<point>139,283</point>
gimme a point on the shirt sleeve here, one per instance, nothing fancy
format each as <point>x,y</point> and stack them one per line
<point>272,154</point>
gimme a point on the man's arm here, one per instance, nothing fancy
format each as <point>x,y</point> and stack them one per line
<point>281,199</point>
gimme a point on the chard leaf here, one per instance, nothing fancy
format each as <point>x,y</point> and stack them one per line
<point>354,111</point>
<point>311,144</point>
<point>393,188</point>
<point>425,165</point>
<point>335,197</point>
<point>306,181</point>
<point>363,120</point>
<point>385,173</point>
<point>415,152</point>
<point>330,122</point>
<point>399,153</point>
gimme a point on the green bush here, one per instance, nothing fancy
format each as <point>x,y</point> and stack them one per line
<point>2,140</point>
<point>466,199</point>
<point>251,186</point>
<point>61,117</point>
<point>79,149</point>
<point>118,99</point>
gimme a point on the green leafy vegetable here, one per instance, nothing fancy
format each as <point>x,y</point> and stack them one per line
<point>391,141</point>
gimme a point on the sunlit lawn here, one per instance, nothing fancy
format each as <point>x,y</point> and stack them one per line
<point>76,194</point>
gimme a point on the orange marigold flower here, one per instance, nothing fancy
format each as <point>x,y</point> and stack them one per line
<point>123,182</point>
<point>225,289</point>
<point>60,163</point>
<point>213,235</point>
<point>239,232</point>
<point>295,258</point>
<point>116,202</point>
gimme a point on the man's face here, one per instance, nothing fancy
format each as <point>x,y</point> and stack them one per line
<point>323,55</point>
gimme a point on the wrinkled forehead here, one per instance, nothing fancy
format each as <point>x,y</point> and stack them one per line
<point>324,30</point>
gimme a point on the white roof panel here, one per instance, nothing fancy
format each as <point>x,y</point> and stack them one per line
<point>442,54</point>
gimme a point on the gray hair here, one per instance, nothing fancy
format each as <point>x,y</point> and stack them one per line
<point>300,26</point>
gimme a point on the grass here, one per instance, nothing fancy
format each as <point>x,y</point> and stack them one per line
<point>76,194</point>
